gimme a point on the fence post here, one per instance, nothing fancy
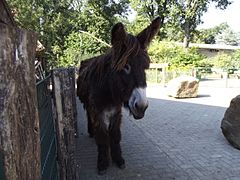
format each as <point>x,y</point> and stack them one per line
<point>163,76</point>
<point>225,77</point>
<point>19,122</point>
<point>66,115</point>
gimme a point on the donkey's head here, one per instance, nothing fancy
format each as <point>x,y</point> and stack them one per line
<point>129,60</point>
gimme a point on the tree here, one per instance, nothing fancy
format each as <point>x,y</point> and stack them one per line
<point>56,20</point>
<point>208,36</point>
<point>181,17</point>
<point>52,20</point>
<point>149,9</point>
<point>188,14</point>
<point>228,37</point>
<point>221,34</point>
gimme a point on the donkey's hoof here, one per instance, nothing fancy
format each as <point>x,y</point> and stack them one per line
<point>122,166</point>
<point>90,135</point>
<point>102,169</point>
<point>102,172</point>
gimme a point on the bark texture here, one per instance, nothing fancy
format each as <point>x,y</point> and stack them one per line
<point>19,122</point>
<point>66,114</point>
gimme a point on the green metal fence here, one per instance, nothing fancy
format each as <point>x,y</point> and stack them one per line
<point>2,175</point>
<point>47,131</point>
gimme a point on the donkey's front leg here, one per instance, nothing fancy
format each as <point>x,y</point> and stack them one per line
<point>115,138</point>
<point>102,141</point>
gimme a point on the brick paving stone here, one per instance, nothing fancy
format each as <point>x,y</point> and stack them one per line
<point>177,139</point>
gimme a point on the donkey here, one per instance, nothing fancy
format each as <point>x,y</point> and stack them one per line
<point>110,81</point>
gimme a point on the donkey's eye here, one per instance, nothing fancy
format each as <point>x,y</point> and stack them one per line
<point>127,69</point>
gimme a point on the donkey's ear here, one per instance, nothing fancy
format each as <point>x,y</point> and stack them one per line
<point>146,36</point>
<point>118,34</point>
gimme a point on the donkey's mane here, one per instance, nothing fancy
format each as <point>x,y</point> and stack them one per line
<point>121,52</point>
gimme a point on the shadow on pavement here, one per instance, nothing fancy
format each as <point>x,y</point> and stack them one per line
<point>175,140</point>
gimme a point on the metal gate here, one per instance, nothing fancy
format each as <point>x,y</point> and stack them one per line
<point>47,131</point>
<point>2,177</point>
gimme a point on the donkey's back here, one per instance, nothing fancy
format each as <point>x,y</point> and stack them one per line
<point>82,82</point>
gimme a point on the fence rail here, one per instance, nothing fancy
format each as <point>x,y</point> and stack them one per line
<point>47,131</point>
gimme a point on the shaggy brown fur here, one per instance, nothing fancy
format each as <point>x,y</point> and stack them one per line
<point>107,82</point>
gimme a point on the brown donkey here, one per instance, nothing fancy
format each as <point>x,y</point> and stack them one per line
<point>111,80</point>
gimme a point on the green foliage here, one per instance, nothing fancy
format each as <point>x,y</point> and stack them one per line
<point>228,37</point>
<point>79,46</point>
<point>176,56</point>
<point>161,52</point>
<point>137,25</point>
<point>236,59</point>
<point>152,8</point>
<point>208,36</point>
<point>58,22</point>
<point>59,25</point>
<point>181,17</point>
<point>222,61</point>
<point>189,13</point>
<point>206,63</point>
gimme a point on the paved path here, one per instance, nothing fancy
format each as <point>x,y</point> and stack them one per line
<point>177,139</point>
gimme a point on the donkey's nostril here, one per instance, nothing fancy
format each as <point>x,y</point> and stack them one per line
<point>136,106</point>
<point>144,108</point>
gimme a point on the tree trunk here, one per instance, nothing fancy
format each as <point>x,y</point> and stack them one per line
<point>19,122</point>
<point>186,39</point>
<point>65,103</point>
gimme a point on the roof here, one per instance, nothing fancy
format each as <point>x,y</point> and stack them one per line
<point>212,46</point>
<point>40,47</point>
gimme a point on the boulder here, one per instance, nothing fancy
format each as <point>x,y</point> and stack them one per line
<point>231,123</point>
<point>183,87</point>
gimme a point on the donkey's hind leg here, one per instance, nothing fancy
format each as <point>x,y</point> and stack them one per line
<point>90,125</point>
<point>115,138</point>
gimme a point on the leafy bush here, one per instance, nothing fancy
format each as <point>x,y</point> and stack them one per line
<point>176,56</point>
<point>222,61</point>
<point>236,59</point>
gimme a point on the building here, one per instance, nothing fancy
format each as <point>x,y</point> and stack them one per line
<point>211,50</point>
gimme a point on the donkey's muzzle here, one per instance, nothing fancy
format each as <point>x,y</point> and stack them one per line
<point>139,111</point>
<point>138,103</point>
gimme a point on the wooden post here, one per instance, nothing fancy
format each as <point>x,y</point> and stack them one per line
<point>19,122</point>
<point>225,77</point>
<point>66,116</point>
<point>156,74</point>
<point>163,76</point>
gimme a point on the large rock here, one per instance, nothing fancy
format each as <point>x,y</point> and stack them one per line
<point>183,87</point>
<point>231,123</point>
